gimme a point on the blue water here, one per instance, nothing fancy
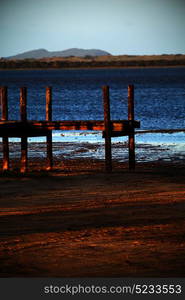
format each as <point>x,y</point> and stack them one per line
<point>77,95</point>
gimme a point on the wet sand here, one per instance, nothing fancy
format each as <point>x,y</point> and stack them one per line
<point>79,221</point>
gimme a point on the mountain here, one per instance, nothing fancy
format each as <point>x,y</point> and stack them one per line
<point>43,53</point>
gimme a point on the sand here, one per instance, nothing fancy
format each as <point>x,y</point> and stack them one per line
<point>79,221</point>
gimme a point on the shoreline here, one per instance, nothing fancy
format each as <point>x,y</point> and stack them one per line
<point>93,151</point>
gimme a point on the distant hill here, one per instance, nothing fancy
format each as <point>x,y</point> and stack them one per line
<point>43,53</point>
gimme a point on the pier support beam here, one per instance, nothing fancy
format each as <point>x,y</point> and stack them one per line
<point>49,163</point>
<point>131,137</point>
<point>107,124</point>
<point>4,117</point>
<point>24,142</point>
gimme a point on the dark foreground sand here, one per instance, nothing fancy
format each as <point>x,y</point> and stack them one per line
<point>78,221</point>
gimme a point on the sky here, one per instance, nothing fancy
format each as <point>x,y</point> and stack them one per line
<point>133,27</point>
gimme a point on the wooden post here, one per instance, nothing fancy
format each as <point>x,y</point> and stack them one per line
<point>24,142</point>
<point>107,124</point>
<point>4,117</point>
<point>49,164</point>
<point>131,140</point>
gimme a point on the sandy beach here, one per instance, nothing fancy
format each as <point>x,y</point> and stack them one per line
<point>78,221</point>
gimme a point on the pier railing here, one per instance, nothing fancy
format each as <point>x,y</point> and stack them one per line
<point>28,128</point>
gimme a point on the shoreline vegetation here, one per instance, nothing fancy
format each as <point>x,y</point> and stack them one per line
<point>107,61</point>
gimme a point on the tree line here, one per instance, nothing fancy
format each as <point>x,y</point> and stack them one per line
<point>60,64</point>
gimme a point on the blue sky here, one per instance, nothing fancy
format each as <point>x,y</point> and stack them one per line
<point>117,26</point>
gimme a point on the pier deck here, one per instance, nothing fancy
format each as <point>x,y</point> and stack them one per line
<point>25,128</point>
<point>40,128</point>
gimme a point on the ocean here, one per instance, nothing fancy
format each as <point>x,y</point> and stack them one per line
<point>77,95</point>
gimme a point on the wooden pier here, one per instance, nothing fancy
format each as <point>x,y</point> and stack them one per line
<point>28,128</point>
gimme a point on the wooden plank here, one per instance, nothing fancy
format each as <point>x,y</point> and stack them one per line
<point>16,132</point>
<point>6,160</point>
<point>49,163</point>
<point>23,104</point>
<point>24,154</point>
<point>4,117</point>
<point>107,125</point>
<point>116,133</point>
<point>48,103</point>
<point>17,128</point>
<point>24,142</point>
<point>4,103</point>
<point>131,139</point>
